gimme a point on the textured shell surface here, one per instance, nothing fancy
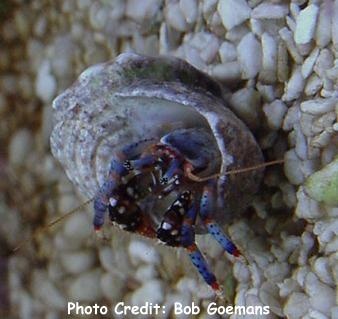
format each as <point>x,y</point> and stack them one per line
<point>136,97</point>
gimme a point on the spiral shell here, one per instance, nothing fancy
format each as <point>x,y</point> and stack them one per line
<point>134,97</point>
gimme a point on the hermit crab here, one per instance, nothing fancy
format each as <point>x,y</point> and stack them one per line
<point>151,139</point>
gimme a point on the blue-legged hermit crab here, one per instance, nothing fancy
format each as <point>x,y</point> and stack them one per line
<point>151,140</point>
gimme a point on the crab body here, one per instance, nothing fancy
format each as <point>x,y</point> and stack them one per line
<point>141,173</point>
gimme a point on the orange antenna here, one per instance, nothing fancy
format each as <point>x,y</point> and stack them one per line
<point>252,168</point>
<point>196,178</point>
<point>51,224</point>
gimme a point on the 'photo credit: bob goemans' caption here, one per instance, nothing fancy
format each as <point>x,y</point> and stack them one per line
<point>152,309</point>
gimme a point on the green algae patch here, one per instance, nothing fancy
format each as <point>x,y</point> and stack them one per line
<point>323,185</point>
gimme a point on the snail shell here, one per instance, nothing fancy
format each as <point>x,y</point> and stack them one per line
<point>136,97</point>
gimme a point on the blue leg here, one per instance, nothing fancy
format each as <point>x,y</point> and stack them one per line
<point>147,161</point>
<point>118,168</point>
<point>221,187</point>
<point>206,208</point>
<point>188,242</point>
<point>101,200</point>
<point>126,157</point>
<point>174,168</point>
<point>100,208</point>
<point>135,149</point>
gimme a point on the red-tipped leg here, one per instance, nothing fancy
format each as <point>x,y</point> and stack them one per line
<point>206,209</point>
<point>188,241</point>
<point>201,264</point>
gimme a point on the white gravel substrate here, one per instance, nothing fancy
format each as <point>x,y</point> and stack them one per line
<point>278,61</point>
